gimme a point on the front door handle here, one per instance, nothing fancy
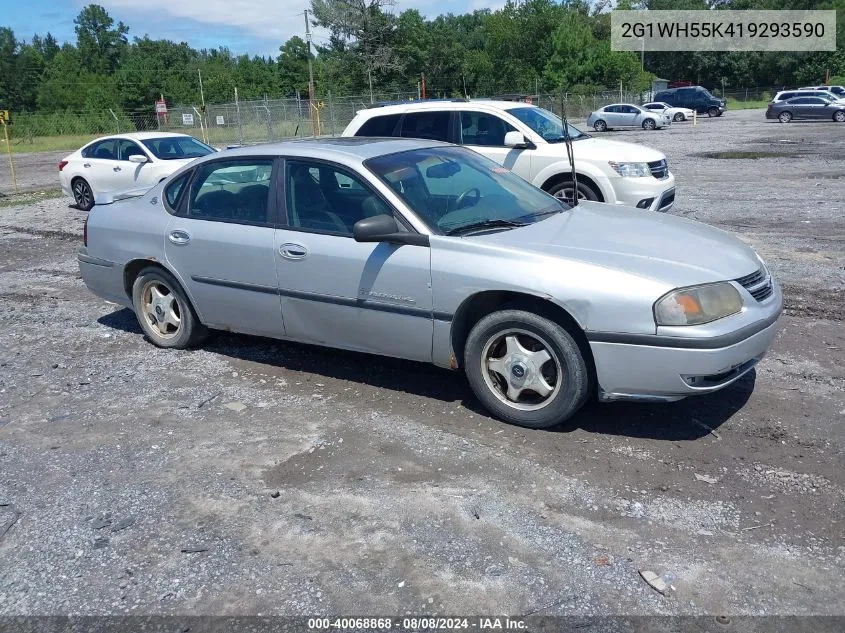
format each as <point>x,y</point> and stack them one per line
<point>293,251</point>
<point>117,168</point>
<point>179,237</point>
<point>86,164</point>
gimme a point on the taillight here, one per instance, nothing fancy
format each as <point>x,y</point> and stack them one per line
<point>62,164</point>
<point>85,232</point>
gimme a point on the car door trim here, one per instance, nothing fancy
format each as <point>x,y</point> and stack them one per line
<point>342,301</point>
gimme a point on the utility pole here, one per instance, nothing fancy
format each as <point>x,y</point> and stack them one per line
<point>310,75</point>
<point>422,78</point>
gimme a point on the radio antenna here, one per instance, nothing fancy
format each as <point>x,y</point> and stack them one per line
<point>567,139</point>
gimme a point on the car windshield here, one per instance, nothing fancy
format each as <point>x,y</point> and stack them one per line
<point>546,124</point>
<point>456,191</point>
<point>177,147</point>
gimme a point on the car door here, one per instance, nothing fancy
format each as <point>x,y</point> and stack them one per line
<point>484,133</point>
<point>816,108</point>
<point>221,243</point>
<point>134,175</point>
<point>100,164</point>
<point>633,116</point>
<point>368,297</point>
<point>611,116</point>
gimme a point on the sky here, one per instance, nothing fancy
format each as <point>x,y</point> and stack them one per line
<point>255,27</point>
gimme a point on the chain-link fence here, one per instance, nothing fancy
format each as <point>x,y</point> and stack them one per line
<point>267,120</point>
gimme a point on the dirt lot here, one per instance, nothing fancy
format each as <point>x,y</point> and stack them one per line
<point>254,476</point>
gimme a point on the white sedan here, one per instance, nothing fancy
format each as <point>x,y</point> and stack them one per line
<point>677,114</point>
<point>126,161</point>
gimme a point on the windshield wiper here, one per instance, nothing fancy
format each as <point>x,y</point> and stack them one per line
<point>486,224</point>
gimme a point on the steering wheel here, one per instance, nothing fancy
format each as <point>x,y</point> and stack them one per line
<point>459,201</point>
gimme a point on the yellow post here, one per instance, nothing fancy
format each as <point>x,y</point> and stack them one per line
<point>694,116</point>
<point>9,149</point>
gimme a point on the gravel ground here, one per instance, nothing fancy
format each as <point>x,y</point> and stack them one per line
<point>260,477</point>
<point>34,170</point>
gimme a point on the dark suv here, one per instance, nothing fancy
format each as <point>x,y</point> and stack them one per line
<point>695,98</point>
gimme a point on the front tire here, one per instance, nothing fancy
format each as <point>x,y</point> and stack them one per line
<point>564,191</point>
<point>679,116</point>
<point>82,194</point>
<point>164,312</point>
<point>785,117</point>
<point>600,126</point>
<point>713,111</point>
<point>526,369</point>
<point>839,116</point>
<point>649,124</point>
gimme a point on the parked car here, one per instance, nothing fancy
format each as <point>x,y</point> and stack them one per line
<point>785,95</point>
<point>695,98</point>
<point>837,91</point>
<point>431,252</point>
<point>806,108</point>
<point>125,161</point>
<point>530,141</point>
<point>627,115</point>
<point>677,114</point>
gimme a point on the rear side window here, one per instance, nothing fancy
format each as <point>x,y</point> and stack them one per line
<point>174,190</point>
<point>105,150</point>
<point>379,125</point>
<point>428,125</point>
<point>232,191</point>
<point>787,95</point>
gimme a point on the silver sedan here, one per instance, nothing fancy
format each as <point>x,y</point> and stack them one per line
<point>627,115</point>
<point>431,252</point>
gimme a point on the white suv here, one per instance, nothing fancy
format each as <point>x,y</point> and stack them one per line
<point>529,141</point>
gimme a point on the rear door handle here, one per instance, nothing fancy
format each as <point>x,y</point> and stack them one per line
<point>179,237</point>
<point>293,251</point>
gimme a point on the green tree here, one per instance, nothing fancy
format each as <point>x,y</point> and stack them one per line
<point>293,66</point>
<point>100,45</point>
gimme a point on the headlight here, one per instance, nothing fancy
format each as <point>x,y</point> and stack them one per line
<point>697,304</point>
<point>631,170</point>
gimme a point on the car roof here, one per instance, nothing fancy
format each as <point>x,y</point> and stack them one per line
<point>442,104</point>
<point>139,136</point>
<point>358,147</point>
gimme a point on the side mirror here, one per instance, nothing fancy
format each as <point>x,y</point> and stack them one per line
<point>516,140</point>
<point>383,228</point>
<point>138,158</point>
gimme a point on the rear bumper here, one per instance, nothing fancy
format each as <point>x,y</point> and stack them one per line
<point>103,278</point>
<point>644,372</point>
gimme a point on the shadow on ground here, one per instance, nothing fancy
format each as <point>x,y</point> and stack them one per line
<point>688,419</point>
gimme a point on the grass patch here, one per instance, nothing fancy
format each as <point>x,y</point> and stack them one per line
<point>29,197</point>
<point>68,143</point>
<point>747,105</point>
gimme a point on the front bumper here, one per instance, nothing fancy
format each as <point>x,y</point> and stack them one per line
<point>639,371</point>
<point>649,193</point>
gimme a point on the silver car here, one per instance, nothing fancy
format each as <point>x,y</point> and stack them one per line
<point>626,115</point>
<point>428,251</point>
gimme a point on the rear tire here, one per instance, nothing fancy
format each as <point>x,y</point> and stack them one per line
<point>649,124</point>
<point>511,352</point>
<point>785,117</point>
<point>600,126</point>
<point>164,312</point>
<point>563,190</point>
<point>82,194</point>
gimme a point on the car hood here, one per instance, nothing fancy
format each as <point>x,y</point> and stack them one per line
<point>617,151</point>
<point>657,246</point>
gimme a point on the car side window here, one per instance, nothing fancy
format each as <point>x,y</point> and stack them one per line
<point>231,191</point>
<point>379,126</point>
<point>173,191</point>
<point>431,125</point>
<point>105,150</point>
<point>787,95</point>
<point>129,148</point>
<point>481,128</point>
<point>631,110</point>
<point>326,199</point>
